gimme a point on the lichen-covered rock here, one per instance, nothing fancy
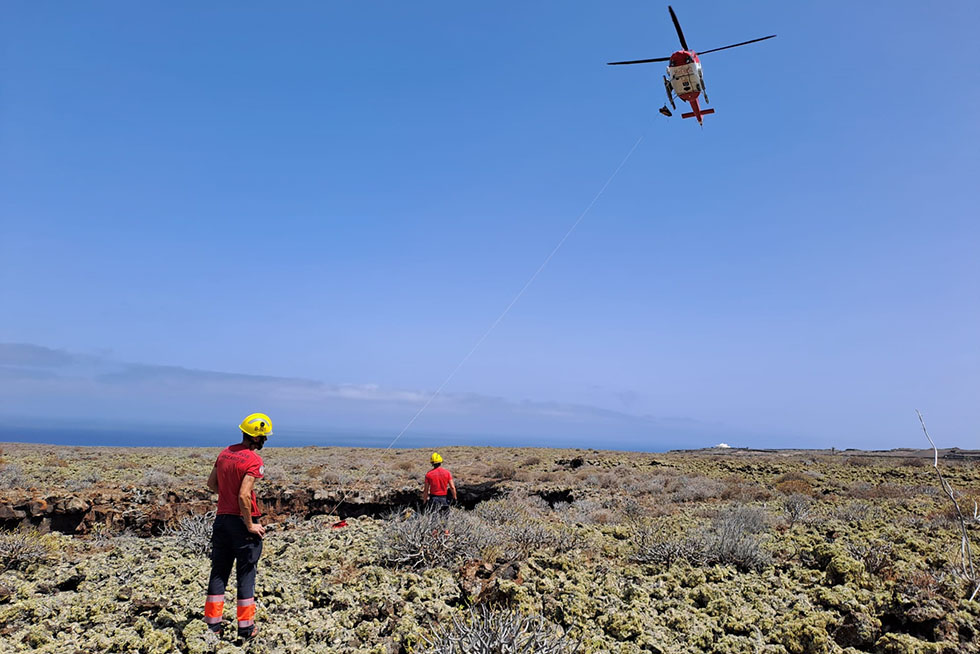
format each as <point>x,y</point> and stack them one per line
<point>323,590</point>
<point>804,636</point>
<point>839,567</point>
<point>896,643</point>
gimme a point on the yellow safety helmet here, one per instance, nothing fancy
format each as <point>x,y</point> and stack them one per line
<point>256,424</point>
<point>435,458</point>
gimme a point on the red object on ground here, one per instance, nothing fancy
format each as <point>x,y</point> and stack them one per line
<point>338,525</point>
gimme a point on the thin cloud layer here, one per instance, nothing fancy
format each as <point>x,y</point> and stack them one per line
<point>50,383</point>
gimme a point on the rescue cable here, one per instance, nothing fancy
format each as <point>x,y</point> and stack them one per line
<point>493,325</point>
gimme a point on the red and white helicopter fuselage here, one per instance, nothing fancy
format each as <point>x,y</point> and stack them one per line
<point>686,80</point>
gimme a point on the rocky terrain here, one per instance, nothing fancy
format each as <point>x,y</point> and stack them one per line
<point>105,550</point>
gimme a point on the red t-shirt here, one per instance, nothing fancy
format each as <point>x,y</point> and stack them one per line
<point>234,462</point>
<point>438,479</point>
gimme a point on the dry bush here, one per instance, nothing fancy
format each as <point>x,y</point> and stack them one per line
<point>876,556</point>
<point>429,539</point>
<point>537,504</point>
<point>483,631</point>
<point>86,479</point>
<point>795,487</point>
<point>508,509</point>
<point>193,533</point>
<point>406,466</point>
<point>655,484</point>
<point>531,461</point>
<point>742,490</point>
<point>654,545</point>
<point>868,491</point>
<point>913,462</point>
<point>855,512</point>
<point>503,471</point>
<point>797,508</point>
<point>733,539</point>
<point>157,479</point>
<point>859,462</point>
<point>696,489</point>
<point>22,549</point>
<point>628,507</point>
<point>611,480</point>
<point>518,542</point>
<point>585,512</point>
<point>743,519</point>
<point>792,475</point>
<point>922,584</point>
<point>12,476</point>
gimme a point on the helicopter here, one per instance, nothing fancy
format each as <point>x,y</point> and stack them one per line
<point>684,77</point>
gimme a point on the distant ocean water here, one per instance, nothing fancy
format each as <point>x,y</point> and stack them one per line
<point>209,436</point>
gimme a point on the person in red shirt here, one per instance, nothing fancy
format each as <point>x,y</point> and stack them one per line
<point>438,483</point>
<point>237,535</point>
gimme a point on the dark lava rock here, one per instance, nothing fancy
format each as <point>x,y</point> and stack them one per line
<point>71,583</point>
<point>8,512</point>
<point>38,507</point>
<point>148,606</point>
<point>858,630</point>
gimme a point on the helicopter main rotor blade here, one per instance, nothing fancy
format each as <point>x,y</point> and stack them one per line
<point>771,36</point>
<point>677,26</point>
<point>638,61</point>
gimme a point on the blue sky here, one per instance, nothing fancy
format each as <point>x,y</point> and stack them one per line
<point>317,210</point>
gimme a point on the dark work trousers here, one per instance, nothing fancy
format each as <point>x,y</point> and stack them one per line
<point>438,503</point>
<point>232,543</point>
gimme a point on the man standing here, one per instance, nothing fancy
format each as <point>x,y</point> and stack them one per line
<point>237,536</point>
<point>438,482</point>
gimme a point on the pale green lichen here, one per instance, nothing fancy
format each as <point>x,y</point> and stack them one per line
<point>324,590</point>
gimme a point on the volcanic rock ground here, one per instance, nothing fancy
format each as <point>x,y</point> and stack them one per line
<point>711,551</point>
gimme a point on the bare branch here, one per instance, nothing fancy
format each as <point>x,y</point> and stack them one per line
<point>966,553</point>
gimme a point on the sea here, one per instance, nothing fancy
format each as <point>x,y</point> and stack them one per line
<point>220,436</point>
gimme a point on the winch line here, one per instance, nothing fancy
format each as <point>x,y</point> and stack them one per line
<point>493,325</point>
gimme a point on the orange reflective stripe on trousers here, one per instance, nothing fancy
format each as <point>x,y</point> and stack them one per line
<point>246,612</point>
<point>214,607</point>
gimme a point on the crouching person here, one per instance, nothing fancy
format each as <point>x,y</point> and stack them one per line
<point>237,536</point>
